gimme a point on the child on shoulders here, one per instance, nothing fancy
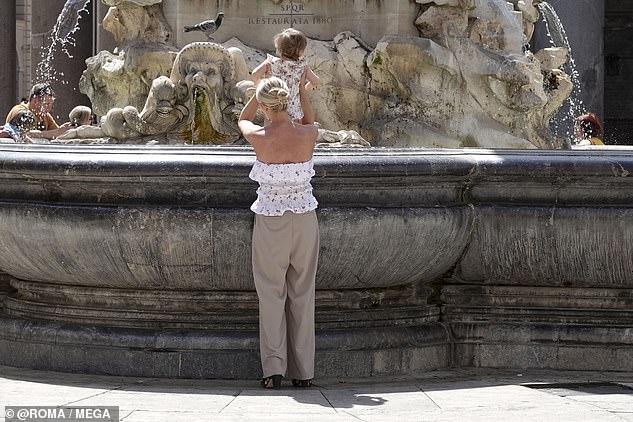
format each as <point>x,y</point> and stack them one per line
<point>290,66</point>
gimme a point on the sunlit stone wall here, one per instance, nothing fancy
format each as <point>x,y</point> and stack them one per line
<point>257,23</point>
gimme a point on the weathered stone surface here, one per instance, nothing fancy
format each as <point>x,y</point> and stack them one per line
<point>144,52</point>
<point>142,255</point>
<point>463,80</point>
<point>5,287</point>
<point>212,354</point>
<point>136,2</point>
<point>555,346</point>
<point>408,91</point>
<point>256,22</point>
<point>552,58</point>
<point>529,16</point>
<point>168,244</point>
<point>554,246</point>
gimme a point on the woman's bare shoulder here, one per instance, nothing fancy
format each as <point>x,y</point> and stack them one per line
<point>310,130</point>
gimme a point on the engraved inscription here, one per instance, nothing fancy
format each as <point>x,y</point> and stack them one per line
<point>290,14</point>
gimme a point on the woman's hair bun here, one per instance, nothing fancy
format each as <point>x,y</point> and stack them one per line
<point>274,93</point>
<point>281,94</point>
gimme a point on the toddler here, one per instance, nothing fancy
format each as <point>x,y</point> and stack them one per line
<point>80,115</point>
<point>289,67</point>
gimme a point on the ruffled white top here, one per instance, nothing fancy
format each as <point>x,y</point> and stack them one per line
<point>290,71</point>
<point>283,187</point>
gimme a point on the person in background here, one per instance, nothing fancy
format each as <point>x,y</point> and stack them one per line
<point>19,126</point>
<point>285,244</point>
<point>588,129</point>
<point>80,116</point>
<point>41,101</point>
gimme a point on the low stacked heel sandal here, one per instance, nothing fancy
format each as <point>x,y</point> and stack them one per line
<point>302,383</point>
<point>273,381</point>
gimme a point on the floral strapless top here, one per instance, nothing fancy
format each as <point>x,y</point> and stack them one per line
<point>289,71</point>
<point>283,187</point>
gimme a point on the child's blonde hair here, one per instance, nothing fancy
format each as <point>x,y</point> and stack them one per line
<point>80,115</point>
<point>290,43</point>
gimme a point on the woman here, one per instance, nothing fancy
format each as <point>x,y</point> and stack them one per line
<point>588,129</point>
<point>286,233</point>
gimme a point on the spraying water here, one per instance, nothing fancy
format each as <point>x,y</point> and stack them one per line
<point>62,37</point>
<point>558,38</point>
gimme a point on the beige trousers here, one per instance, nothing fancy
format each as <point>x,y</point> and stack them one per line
<point>285,255</point>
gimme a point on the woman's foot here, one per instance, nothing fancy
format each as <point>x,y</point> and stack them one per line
<point>302,383</point>
<point>273,381</point>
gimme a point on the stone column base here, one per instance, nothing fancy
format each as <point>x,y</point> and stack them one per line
<point>213,353</point>
<point>542,346</point>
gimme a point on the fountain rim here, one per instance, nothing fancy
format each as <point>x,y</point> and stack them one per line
<point>217,176</point>
<point>320,151</point>
<point>165,160</point>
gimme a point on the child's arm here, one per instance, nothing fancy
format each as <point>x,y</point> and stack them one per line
<point>308,112</point>
<point>312,78</point>
<point>259,72</point>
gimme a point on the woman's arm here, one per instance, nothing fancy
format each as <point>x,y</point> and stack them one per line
<point>245,121</point>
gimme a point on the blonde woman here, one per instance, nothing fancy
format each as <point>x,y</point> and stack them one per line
<point>286,233</point>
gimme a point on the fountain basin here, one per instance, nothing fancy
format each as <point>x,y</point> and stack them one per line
<point>136,260</point>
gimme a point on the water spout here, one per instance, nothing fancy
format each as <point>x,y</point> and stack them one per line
<point>62,36</point>
<point>68,21</point>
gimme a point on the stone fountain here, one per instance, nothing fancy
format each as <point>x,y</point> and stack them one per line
<point>132,256</point>
<point>464,79</point>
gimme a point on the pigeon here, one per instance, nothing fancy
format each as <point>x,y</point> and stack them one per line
<point>208,27</point>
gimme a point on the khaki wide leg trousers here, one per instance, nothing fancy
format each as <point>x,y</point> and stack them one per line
<point>285,254</point>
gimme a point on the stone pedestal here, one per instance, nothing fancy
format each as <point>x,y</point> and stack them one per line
<point>136,261</point>
<point>154,279</point>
